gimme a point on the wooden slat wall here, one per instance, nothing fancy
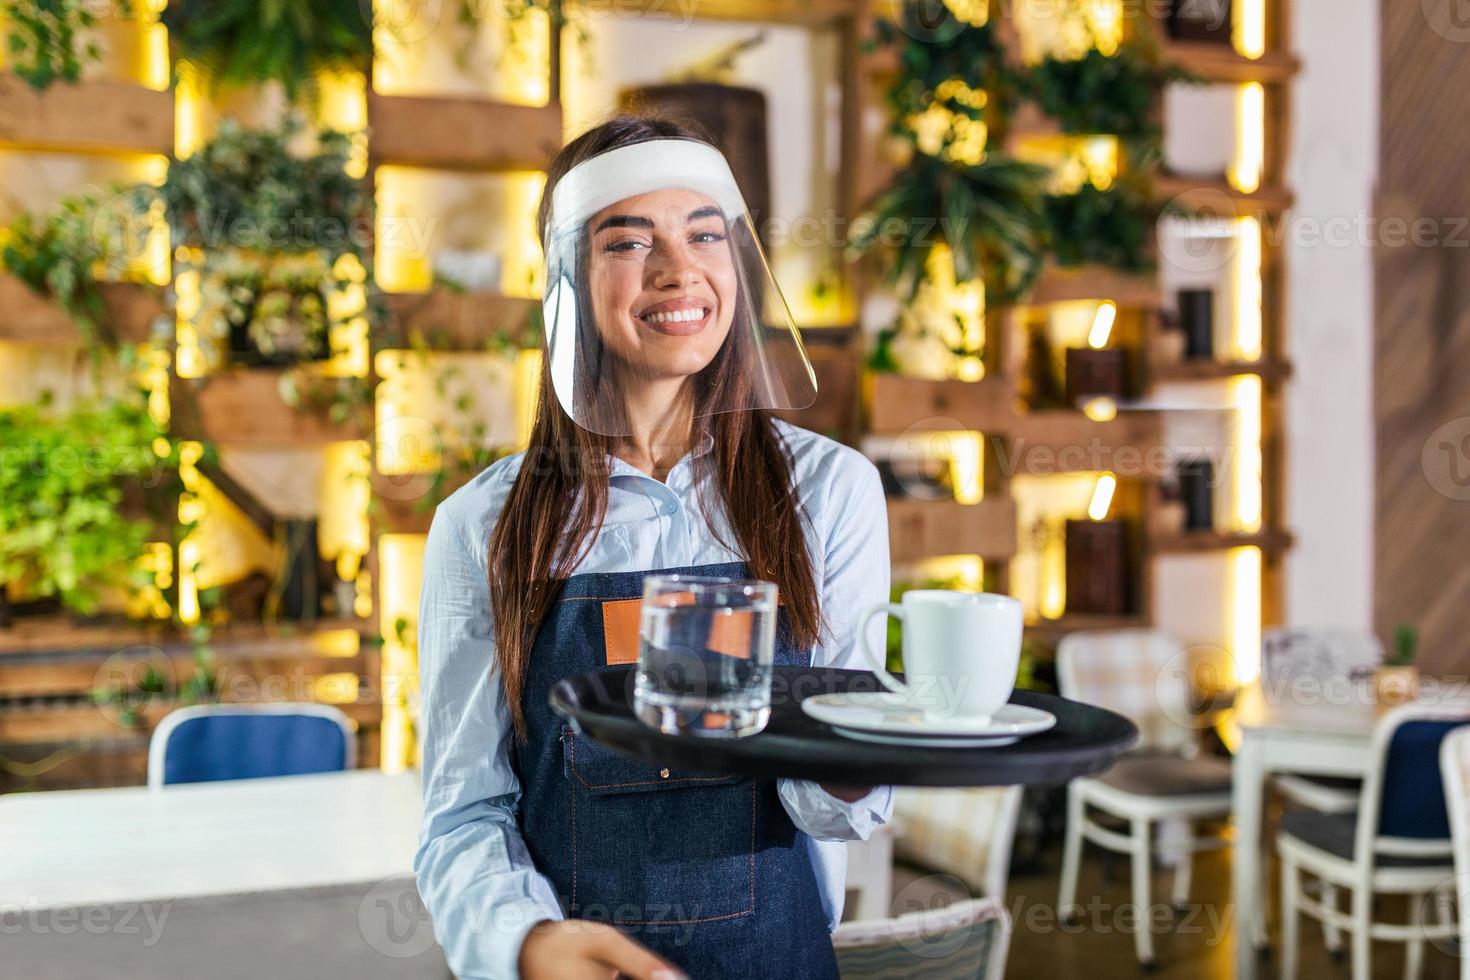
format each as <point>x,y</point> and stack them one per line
<point>1422,342</point>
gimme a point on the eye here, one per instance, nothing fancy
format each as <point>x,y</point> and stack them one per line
<point>707,237</point>
<point>626,245</point>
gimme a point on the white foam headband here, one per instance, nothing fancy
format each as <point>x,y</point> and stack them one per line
<point>628,171</point>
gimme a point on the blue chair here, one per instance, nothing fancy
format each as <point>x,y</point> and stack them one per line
<point>1398,842</point>
<point>210,742</point>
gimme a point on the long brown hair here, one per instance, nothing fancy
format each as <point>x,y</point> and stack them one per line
<point>557,503</point>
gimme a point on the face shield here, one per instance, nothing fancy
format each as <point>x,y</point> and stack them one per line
<point>659,302</point>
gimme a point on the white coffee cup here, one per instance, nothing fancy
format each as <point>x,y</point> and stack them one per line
<point>960,651</point>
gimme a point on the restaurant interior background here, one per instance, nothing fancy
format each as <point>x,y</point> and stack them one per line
<point>1200,370</point>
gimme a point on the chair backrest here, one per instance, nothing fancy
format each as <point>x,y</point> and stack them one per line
<point>1403,810</point>
<point>963,941</point>
<point>967,833</point>
<point>1292,652</point>
<point>208,742</point>
<point>1454,768</point>
<point>1142,674</point>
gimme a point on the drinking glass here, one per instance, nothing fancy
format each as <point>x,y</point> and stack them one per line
<point>705,649</point>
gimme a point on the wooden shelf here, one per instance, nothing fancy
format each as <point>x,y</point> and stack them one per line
<point>898,404</point>
<point>919,529</point>
<point>443,319</point>
<point>1051,629</point>
<point>1096,282</point>
<point>445,133</point>
<point>86,117</point>
<point>1270,369</point>
<point>244,408</point>
<point>1222,63</point>
<point>804,13</point>
<point>30,318</point>
<point>81,722</point>
<point>1051,442</point>
<point>1215,196</point>
<point>52,636</point>
<point>1200,542</point>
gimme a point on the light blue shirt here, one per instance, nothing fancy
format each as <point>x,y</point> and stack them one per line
<point>474,872</point>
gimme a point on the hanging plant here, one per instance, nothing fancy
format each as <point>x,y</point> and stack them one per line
<point>1103,93</point>
<point>44,37</point>
<point>989,215</point>
<point>236,44</point>
<point>957,77</point>
<point>1112,227</point>
<point>274,236</point>
<point>66,255</point>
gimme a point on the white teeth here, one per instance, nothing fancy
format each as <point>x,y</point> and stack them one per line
<point>677,316</point>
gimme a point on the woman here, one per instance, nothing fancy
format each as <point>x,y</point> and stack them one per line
<point>653,449</point>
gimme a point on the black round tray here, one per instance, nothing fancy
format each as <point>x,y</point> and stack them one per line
<point>794,745</point>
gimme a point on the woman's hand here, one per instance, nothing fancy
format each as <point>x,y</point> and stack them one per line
<point>576,948</point>
<point>847,794</point>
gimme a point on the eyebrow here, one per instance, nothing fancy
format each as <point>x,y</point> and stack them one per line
<point>636,221</point>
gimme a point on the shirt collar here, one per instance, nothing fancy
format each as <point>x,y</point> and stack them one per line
<point>621,467</point>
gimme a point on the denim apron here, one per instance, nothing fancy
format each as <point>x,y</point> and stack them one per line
<point>707,870</point>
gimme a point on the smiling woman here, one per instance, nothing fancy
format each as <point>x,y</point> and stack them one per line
<point>653,451</point>
<point>658,299</point>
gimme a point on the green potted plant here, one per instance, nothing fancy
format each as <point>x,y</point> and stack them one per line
<point>272,235</point>
<point>234,44</point>
<point>68,253</point>
<point>1396,681</point>
<point>83,490</point>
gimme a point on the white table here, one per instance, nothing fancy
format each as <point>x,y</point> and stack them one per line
<point>1279,735</point>
<point>290,876</point>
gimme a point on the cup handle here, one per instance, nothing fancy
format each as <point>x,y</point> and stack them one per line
<point>876,661</point>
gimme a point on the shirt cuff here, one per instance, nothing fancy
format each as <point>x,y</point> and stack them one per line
<point>824,817</point>
<point>499,939</point>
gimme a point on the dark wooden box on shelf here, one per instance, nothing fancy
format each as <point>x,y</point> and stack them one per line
<point>1098,567</point>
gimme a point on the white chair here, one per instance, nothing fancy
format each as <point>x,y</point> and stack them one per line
<point>1140,674</point>
<point>967,833</point>
<point>245,741</point>
<point>1454,768</point>
<point>1397,843</point>
<point>1292,655</point>
<point>964,941</point>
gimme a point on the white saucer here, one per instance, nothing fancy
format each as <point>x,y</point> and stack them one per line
<point>889,718</point>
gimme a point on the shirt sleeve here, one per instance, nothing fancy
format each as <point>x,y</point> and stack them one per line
<point>474,873</point>
<point>855,579</point>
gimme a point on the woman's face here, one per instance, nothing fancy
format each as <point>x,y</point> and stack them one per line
<point>663,282</point>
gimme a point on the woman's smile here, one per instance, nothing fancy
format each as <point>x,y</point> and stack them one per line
<point>681,317</point>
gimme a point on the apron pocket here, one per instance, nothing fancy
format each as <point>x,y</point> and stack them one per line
<point>654,846</point>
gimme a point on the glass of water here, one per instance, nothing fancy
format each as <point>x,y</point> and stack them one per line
<point>705,649</point>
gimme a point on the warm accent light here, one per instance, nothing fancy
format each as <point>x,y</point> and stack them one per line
<point>1250,27</point>
<point>1248,293</point>
<point>1100,409</point>
<point>401,558</point>
<point>1245,613</point>
<point>156,65</point>
<point>1102,497</point>
<point>1102,324</point>
<point>1245,397</point>
<point>1250,139</point>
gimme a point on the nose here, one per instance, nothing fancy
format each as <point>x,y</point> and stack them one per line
<point>673,266</point>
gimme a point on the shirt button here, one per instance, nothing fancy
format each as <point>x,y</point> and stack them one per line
<point>663,774</point>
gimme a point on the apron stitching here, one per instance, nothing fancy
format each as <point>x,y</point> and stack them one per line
<point>752,844</point>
